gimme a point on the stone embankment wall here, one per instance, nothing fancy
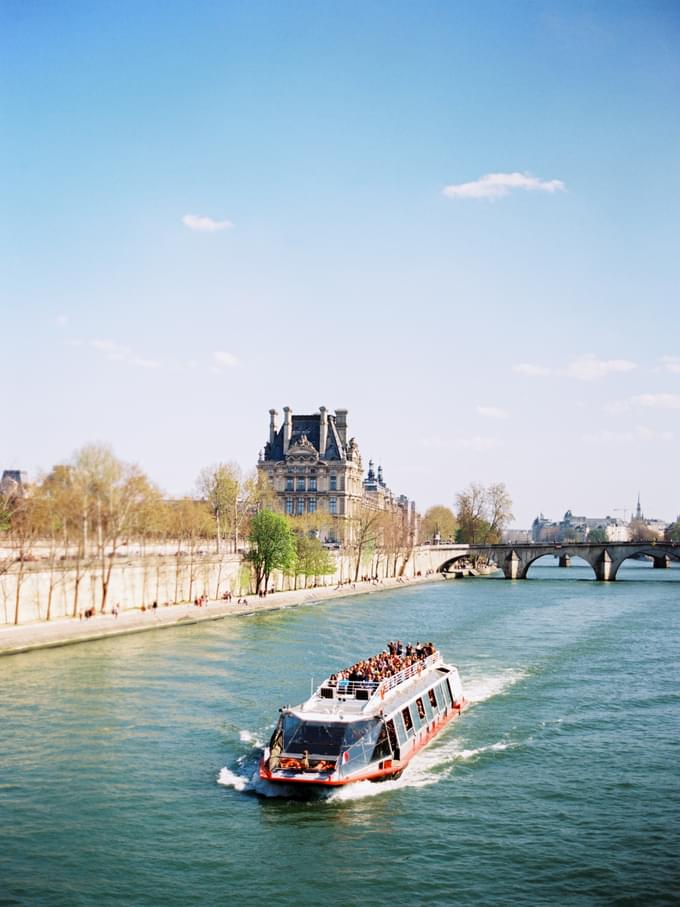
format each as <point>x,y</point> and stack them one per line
<point>139,581</point>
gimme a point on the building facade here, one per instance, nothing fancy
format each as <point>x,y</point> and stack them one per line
<point>316,470</point>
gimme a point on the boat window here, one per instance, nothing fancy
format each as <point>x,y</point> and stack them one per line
<point>392,735</point>
<point>447,692</point>
<point>406,715</point>
<point>363,739</point>
<point>441,701</point>
<point>421,708</point>
<point>318,738</point>
<point>429,714</point>
<point>447,687</point>
<point>382,747</point>
<point>431,697</point>
<point>401,730</point>
<point>415,716</point>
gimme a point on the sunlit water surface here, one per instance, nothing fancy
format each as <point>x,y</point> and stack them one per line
<point>128,766</point>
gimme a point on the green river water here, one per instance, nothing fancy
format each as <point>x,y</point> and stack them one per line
<point>127,766</point>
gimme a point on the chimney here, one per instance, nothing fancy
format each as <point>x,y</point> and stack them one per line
<point>287,428</point>
<point>323,430</point>
<point>273,426</point>
<point>341,425</point>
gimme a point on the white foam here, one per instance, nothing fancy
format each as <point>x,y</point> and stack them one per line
<point>230,779</point>
<point>479,689</point>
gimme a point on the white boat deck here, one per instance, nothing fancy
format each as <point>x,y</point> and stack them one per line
<point>350,699</point>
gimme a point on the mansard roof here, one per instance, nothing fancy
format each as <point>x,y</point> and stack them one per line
<point>310,428</point>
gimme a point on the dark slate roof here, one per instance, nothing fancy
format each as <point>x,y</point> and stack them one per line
<point>311,427</point>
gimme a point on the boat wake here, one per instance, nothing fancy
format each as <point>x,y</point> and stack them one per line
<point>432,764</point>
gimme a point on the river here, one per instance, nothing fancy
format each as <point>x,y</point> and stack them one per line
<point>127,765</point>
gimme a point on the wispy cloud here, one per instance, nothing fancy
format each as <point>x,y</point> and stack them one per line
<point>584,368</point>
<point>118,352</point>
<point>498,185</point>
<point>475,443</point>
<point>61,320</point>
<point>670,364</point>
<point>533,371</point>
<point>113,351</point>
<point>640,433</point>
<point>492,412</point>
<point>204,224</point>
<point>224,360</point>
<point>590,368</point>
<point>657,401</point>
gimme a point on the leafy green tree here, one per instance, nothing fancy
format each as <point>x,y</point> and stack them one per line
<point>438,521</point>
<point>272,546</point>
<point>597,536</point>
<point>312,559</point>
<point>673,532</point>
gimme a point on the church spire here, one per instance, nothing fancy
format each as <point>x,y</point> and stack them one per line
<point>638,509</point>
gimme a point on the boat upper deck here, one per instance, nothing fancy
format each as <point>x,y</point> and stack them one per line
<point>356,695</point>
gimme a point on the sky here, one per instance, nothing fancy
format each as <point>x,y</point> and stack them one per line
<point>459,221</point>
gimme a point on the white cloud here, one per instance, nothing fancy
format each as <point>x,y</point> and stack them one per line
<point>589,368</point>
<point>62,320</point>
<point>476,443</point>
<point>225,360</point>
<point>584,368</point>
<point>657,401</point>
<point>533,371</point>
<point>492,412</point>
<point>205,224</point>
<point>116,352</point>
<point>619,406</point>
<point>670,364</point>
<point>639,433</point>
<point>497,185</point>
<point>145,363</point>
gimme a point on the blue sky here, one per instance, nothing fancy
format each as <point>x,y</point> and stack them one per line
<point>212,209</point>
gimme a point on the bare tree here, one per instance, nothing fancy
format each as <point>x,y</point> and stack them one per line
<point>220,487</point>
<point>483,513</point>
<point>112,493</point>
<point>365,527</point>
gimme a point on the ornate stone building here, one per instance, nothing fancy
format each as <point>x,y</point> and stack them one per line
<point>315,469</point>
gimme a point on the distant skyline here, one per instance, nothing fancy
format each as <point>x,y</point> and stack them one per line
<point>460,222</point>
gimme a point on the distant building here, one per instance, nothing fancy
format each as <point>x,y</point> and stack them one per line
<point>516,536</point>
<point>13,482</point>
<point>315,469</point>
<point>572,528</point>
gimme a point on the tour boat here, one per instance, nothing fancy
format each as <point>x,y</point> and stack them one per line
<point>364,730</point>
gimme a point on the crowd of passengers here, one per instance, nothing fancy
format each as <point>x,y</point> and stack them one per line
<point>397,657</point>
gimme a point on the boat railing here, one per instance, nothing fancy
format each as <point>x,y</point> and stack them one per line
<point>367,689</point>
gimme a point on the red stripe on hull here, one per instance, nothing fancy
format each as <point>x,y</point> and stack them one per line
<point>396,768</point>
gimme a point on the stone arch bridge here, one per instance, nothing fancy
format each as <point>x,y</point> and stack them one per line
<point>514,560</point>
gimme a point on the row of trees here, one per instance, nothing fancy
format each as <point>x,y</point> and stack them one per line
<point>84,514</point>
<point>482,512</point>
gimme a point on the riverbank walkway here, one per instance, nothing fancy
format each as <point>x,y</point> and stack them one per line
<point>66,631</point>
